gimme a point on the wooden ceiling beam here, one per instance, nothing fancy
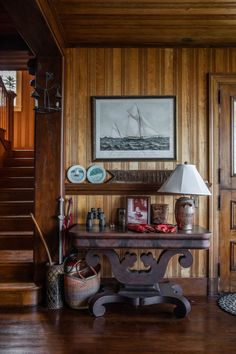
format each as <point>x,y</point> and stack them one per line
<point>144,7</point>
<point>12,43</point>
<point>14,60</point>
<point>146,22</point>
<point>54,24</point>
<point>32,26</point>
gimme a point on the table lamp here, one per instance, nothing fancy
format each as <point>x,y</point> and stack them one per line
<point>185,179</point>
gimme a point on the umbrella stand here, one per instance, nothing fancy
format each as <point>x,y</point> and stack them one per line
<point>54,276</point>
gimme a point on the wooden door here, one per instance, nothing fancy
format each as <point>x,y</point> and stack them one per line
<point>227,183</point>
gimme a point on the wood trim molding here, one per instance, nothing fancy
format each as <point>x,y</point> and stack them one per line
<point>112,188</point>
<point>190,286</point>
<point>215,80</point>
<point>123,182</point>
<point>18,105</point>
<point>48,11</point>
<point>41,45</point>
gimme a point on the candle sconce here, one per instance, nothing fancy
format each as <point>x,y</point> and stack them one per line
<point>46,99</point>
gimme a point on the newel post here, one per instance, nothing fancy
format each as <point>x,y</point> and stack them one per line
<point>10,110</point>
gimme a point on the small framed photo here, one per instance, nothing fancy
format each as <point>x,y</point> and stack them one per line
<point>138,209</point>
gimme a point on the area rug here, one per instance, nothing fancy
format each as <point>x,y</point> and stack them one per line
<point>227,303</point>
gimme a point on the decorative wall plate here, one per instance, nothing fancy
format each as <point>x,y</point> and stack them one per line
<point>96,174</point>
<point>76,174</point>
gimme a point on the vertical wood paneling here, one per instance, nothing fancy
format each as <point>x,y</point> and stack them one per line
<point>23,137</point>
<point>144,71</point>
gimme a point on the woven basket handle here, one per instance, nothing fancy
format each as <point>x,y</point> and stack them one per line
<point>71,256</point>
<point>80,271</point>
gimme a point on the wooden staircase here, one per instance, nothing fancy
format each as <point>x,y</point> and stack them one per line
<point>17,286</point>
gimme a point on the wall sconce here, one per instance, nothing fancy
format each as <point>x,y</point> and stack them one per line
<point>49,95</point>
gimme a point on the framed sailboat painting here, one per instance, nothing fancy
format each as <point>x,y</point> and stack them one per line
<point>134,128</point>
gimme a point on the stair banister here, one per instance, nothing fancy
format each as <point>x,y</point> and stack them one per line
<point>7,111</point>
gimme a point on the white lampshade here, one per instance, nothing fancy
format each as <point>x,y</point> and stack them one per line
<point>185,179</point>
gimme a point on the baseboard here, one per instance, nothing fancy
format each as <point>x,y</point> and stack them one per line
<point>213,286</point>
<point>190,286</point>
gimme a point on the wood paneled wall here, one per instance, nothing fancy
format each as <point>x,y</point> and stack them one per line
<point>143,71</point>
<point>23,137</point>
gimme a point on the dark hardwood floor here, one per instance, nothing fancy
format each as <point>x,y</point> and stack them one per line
<point>123,330</point>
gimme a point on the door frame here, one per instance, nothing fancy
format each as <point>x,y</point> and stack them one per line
<point>215,80</point>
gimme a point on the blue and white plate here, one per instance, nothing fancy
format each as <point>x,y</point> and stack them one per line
<point>96,174</point>
<point>76,174</point>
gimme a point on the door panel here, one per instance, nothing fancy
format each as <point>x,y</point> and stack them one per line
<point>227,163</point>
<point>228,241</point>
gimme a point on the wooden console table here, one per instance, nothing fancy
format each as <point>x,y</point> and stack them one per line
<point>140,287</point>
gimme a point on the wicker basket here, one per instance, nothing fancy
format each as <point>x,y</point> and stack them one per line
<point>80,285</point>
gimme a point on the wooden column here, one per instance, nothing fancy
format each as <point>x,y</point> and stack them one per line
<point>10,107</point>
<point>48,160</point>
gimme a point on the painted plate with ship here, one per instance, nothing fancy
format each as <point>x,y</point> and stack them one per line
<point>76,174</point>
<point>96,174</point>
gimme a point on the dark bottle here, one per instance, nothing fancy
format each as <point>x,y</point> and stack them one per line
<point>94,213</point>
<point>102,220</point>
<point>89,220</point>
<point>121,217</point>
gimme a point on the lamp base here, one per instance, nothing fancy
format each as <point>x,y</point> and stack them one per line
<point>184,213</point>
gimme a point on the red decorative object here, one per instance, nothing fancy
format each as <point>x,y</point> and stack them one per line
<point>165,228</point>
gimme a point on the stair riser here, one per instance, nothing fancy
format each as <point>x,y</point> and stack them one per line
<point>16,242</point>
<point>16,208</point>
<point>16,233</point>
<point>19,162</point>
<point>17,172</point>
<point>18,182</point>
<point>22,153</point>
<point>23,272</point>
<point>18,298</point>
<point>21,224</point>
<point>21,195</point>
<point>11,256</point>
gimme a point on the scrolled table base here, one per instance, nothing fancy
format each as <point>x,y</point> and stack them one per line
<point>141,287</point>
<point>96,304</point>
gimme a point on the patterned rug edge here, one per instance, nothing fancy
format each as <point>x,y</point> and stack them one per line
<point>227,302</point>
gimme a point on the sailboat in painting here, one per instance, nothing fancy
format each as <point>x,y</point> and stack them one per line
<point>138,126</point>
<point>139,134</point>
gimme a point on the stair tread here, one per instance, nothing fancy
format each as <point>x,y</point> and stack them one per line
<point>16,256</point>
<point>15,286</point>
<point>16,233</point>
<point>16,202</point>
<point>19,262</point>
<point>16,167</point>
<point>17,177</point>
<point>15,216</point>
<point>19,158</point>
<point>16,189</point>
<point>17,249</point>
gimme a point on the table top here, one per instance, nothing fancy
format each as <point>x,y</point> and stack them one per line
<point>197,238</point>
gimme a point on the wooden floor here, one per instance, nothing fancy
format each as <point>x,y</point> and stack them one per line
<point>123,330</point>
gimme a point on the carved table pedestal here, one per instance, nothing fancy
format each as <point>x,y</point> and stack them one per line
<point>146,286</point>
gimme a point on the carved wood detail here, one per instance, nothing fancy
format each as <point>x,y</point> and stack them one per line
<point>122,271</point>
<point>139,176</point>
<point>141,287</point>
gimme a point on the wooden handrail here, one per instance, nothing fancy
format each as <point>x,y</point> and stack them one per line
<point>6,111</point>
<point>3,106</point>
